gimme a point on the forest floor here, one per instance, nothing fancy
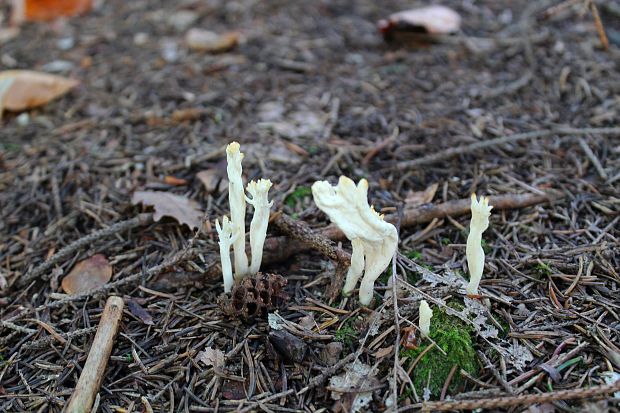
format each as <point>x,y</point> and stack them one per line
<point>313,92</point>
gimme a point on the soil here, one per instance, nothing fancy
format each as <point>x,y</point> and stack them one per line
<point>313,92</point>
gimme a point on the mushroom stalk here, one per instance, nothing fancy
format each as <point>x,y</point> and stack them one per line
<point>425,318</point>
<point>260,220</point>
<point>225,233</point>
<point>236,198</point>
<point>356,268</point>
<point>480,212</point>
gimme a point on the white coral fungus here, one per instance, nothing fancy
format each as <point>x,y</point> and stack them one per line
<point>260,220</point>
<point>480,212</point>
<point>374,240</point>
<point>236,199</point>
<point>225,233</point>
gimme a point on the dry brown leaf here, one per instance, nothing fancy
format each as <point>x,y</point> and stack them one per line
<point>87,275</point>
<point>184,210</point>
<point>136,309</point>
<point>213,180</point>
<point>25,89</point>
<point>44,10</point>
<point>432,19</point>
<point>212,357</point>
<point>418,198</point>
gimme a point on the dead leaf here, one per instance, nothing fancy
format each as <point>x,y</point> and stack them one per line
<point>87,275</point>
<point>44,10</point>
<point>383,352</point>
<point>140,312</point>
<point>212,357</point>
<point>210,42</point>
<point>432,20</point>
<point>184,210</point>
<point>418,198</point>
<point>213,180</point>
<point>358,377</point>
<point>25,89</point>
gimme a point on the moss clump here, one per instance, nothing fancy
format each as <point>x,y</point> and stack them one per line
<point>346,334</point>
<point>454,338</point>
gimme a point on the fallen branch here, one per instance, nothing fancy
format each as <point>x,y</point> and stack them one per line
<point>464,149</point>
<point>42,270</point>
<point>93,371</point>
<point>509,401</point>
<point>428,212</point>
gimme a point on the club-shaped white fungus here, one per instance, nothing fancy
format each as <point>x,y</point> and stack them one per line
<point>236,199</point>
<point>375,240</point>
<point>225,233</point>
<point>480,212</point>
<point>425,318</point>
<point>260,220</point>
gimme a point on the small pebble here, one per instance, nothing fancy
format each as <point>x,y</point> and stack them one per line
<point>66,43</point>
<point>169,50</point>
<point>182,19</point>
<point>140,39</point>
<point>23,119</point>
<point>58,66</point>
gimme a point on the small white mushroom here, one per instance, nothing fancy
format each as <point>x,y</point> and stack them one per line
<point>236,199</point>
<point>374,240</point>
<point>260,220</point>
<point>480,212</point>
<point>425,318</point>
<point>225,233</point>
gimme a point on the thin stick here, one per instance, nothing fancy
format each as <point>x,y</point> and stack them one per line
<point>595,162</point>
<point>45,267</point>
<point>92,374</point>
<point>599,26</point>
<point>460,150</point>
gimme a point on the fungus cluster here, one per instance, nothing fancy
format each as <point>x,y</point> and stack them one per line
<point>232,232</point>
<point>373,240</point>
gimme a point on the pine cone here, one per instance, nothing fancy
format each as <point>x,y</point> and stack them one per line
<point>254,296</point>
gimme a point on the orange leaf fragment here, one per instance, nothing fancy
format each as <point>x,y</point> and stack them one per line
<point>87,275</point>
<point>173,180</point>
<point>184,210</point>
<point>44,10</point>
<point>26,89</point>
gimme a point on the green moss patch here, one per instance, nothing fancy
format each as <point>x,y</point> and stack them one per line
<point>454,338</point>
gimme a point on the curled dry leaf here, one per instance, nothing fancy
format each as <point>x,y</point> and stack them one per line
<point>44,10</point>
<point>87,275</point>
<point>140,312</point>
<point>210,42</point>
<point>432,20</point>
<point>25,89</point>
<point>418,198</point>
<point>184,210</point>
